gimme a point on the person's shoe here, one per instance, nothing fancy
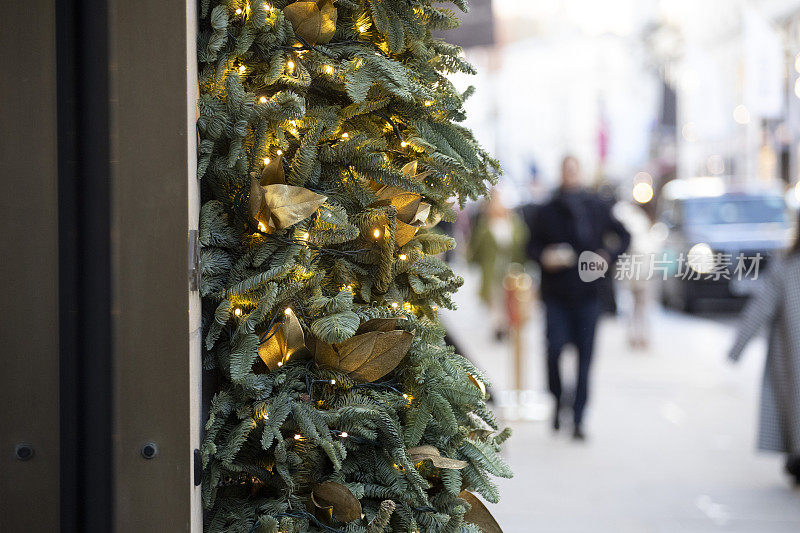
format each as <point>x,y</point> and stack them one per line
<point>578,434</point>
<point>557,417</point>
<point>793,468</point>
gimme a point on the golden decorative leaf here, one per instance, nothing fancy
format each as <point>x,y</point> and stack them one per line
<point>273,173</point>
<point>404,233</point>
<point>432,454</point>
<point>479,514</point>
<point>314,22</point>
<point>284,340</point>
<point>328,16</point>
<point>366,356</point>
<point>279,206</point>
<point>478,383</point>
<point>335,501</point>
<point>306,20</point>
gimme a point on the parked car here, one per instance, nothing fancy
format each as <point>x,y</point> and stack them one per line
<point>719,239</point>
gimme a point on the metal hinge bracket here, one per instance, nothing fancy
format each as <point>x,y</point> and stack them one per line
<point>194,260</point>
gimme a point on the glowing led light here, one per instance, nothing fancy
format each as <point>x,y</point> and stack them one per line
<point>297,436</point>
<point>643,192</point>
<point>237,312</point>
<point>689,132</point>
<point>267,160</point>
<point>267,6</point>
<point>263,99</point>
<point>242,68</point>
<point>344,434</point>
<point>239,11</point>
<point>304,236</point>
<point>376,233</point>
<point>261,227</point>
<point>290,65</point>
<point>741,114</point>
<point>345,135</point>
<point>327,69</point>
<point>403,257</point>
<point>701,258</point>
<point>280,363</point>
<point>363,28</point>
<point>403,144</point>
<point>428,103</point>
<point>279,152</point>
<point>333,382</point>
<point>394,305</point>
<point>288,311</point>
<point>266,416</point>
<point>405,396</point>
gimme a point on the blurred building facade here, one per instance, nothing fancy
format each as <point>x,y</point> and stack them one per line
<point>673,87</point>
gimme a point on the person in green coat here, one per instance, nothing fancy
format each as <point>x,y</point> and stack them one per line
<point>498,240</point>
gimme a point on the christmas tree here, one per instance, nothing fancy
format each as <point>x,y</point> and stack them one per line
<point>330,147</point>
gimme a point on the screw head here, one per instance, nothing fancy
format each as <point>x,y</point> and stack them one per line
<point>149,450</point>
<point>23,452</point>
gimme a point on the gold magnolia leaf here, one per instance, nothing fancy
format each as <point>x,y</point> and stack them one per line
<point>328,14</point>
<point>335,500</point>
<point>479,514</point>
<point>366,356</point>
<point>273,173</point>
<point>284,340</point>
<point>404,233</point>
<point>478,383</point>
<point>306,20</point>
<point>378,324</point>
<point>314,22</point>
<point>409,170</point>
<point>282,205</point>
<point>432,454</point>
<point>421,216</point>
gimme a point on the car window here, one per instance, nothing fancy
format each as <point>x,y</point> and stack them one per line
<point>735,210</point>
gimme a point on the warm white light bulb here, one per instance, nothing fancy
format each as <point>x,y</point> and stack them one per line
<point>239,11</point>
<point>403,257</point>
<point>261,227</point>
<point>263,99</point>
<point>333,382</point>
<point>345,135</point>
<point>297,436</point>
<point>290,65</point>
<point>237,312</point>
<point>267,160</point>
<point>327,69</point>
<point>344,434</point>
<point>403,144</point>
<point>279,152</point>
<point>394,305</point>
<point>288,311</point>
<point>376,233</point>
<point>242,68</point>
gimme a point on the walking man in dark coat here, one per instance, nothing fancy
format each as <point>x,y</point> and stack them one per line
<point>575,221</point>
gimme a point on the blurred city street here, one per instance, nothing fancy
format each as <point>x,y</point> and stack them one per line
<point>671,432</point>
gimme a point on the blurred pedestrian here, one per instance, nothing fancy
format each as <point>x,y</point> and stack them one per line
<point>497,241</point>
<point>777,306</point>
<point>638,278</point>
<point>573,221</point>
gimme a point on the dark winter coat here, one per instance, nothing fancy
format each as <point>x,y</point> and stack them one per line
<point>585,222</point>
